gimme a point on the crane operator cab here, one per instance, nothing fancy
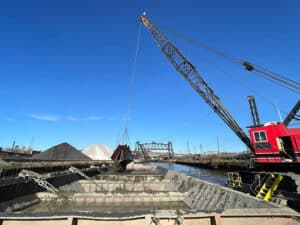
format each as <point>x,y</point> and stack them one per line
<point>274,142</point>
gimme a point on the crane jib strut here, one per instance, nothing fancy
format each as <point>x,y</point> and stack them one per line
<point>190,74</point>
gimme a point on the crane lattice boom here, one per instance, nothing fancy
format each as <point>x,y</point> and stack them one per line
<point>190,74</point>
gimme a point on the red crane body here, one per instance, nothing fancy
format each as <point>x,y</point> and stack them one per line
<point>274,142</point>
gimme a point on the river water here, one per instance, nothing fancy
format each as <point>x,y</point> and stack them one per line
<point>213,176</point>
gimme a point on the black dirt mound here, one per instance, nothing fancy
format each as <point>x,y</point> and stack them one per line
<point>62,151</point>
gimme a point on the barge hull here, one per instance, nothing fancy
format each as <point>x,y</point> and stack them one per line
<point>199,219</point>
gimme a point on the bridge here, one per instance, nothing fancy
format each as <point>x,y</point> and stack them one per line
<point>144,150</point>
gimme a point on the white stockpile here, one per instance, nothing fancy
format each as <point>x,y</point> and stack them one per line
<point>98,152</point>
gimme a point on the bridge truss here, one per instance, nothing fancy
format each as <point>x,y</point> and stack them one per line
<point>144,150</point>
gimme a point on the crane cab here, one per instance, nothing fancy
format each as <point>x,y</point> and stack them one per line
<point>274,142</point>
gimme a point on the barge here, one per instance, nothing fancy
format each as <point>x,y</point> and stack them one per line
<point>81,193</point>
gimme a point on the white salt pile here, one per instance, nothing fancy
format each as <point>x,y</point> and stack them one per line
<point>98,152</point>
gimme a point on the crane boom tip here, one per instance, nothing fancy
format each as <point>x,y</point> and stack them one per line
<point>143,16</point>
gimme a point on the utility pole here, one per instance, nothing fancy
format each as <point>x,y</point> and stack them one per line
<point>188,149</point>
<point>218,142</point>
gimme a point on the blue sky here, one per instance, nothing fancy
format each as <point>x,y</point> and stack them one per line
<point>66,66</point>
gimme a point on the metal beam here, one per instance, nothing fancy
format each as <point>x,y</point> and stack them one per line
<point>293,114</point>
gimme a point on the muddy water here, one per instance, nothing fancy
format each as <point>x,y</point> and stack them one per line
<point>213,176</point>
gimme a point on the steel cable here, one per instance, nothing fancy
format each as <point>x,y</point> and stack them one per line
<point>260,71</point>
<point>125,136</point>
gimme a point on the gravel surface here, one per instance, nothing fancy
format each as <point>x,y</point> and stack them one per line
<point>63,151</point>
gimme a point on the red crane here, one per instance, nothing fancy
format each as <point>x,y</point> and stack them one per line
<point>270,143</point>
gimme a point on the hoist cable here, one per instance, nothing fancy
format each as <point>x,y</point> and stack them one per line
<point>125,136</point>
<point>200,44</point>
<point>291,85</point>
<point>260,71</point>
<point>230,75</point>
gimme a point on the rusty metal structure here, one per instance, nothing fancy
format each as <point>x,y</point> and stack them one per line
<point>122,156</point>
<point>142,149</point>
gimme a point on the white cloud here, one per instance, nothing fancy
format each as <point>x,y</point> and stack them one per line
<point>10,119</point>
<point>72,118</point>
<point>117,118</point>
<point>54,118</point>
<point>90,118</point>
<point>94,118</point>
<point>45,117</point>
